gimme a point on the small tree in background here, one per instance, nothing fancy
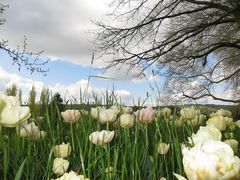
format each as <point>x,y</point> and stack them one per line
<point>32,100</point>
<point>20,95</point>
<point>195,44</point>
<point>44,100</point>
<point>11,90</point>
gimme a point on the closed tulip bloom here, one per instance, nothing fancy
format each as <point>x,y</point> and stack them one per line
<point>116,109</point>
<point>232,126</point>
<point>204,134</point>
<point>60,166</point>
<point>107,116</point>
<point>189,113</point>
<point>71,116</point>
<point>94,113</point>
<point>163,148</point>
<point>30,131</point>
<point>223,112</point>
<point>11,112</point>
<point>211,160</point>
<point>126,120</point>
<point>217,121</point>
<point>237,123</point>
<point>145,115</point>
<point>166,112</point>
<point>63,150</point>
<point>233,143</point>
<point>101,137</point>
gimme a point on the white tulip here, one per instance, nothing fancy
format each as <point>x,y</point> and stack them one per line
<point>189,113</point>
<point>11,112</point>
<point>218,121</point>
<point>204,134</point>
<point>126,120</point>
<point>30,131</point>
<point>166,112</point>
<point>211,160</point>
<point>63,150</point>
<point>60,166</point>
<point>233,143</point>
<point>107,116</point>
<point>71,115</point>
<point>116,109</point>
<point>94,113</point>
<point>237,123</point>
<point>101,137</point>
<point>72,176</point>
<point>163,148</point>
<point>223,112</point>
<point>127,110</point>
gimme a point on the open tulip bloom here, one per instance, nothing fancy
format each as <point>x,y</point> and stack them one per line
<point>71,116</point>
<point>11,112</point>
<point>101,137</point>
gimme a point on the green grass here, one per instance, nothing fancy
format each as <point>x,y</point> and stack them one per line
<point>132,153</point>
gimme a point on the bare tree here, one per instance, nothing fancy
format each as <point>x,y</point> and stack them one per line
<point>194,43</point>
<point>21,56</point>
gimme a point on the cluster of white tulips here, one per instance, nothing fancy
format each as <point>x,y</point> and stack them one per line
<point>61,164</point>
<point>209,157</point>
<point>15,115</point>
<point>210,153</point>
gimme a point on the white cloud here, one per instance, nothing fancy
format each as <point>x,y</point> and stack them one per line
<point>57,27</point>
<point>124,73</point>
<point>68,91</point>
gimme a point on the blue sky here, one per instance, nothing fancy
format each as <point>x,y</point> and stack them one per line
<point>61,29</point>
<point>63,36</point>
<point>66,73</point>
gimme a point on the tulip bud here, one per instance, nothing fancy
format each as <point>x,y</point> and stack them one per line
<point>163,148</point>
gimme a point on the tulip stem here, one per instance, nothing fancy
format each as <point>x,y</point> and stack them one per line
<point>73,144</point>
<point>146,136</point>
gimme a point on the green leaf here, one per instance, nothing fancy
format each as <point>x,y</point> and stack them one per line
<point>20,170</point>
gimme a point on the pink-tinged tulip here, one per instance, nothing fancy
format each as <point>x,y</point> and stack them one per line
<point>70,116</point>
<point>145,115</point>
<point>102,137</point>
<point>107,116</point>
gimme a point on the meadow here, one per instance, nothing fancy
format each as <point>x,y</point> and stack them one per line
<point>146,143</point>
